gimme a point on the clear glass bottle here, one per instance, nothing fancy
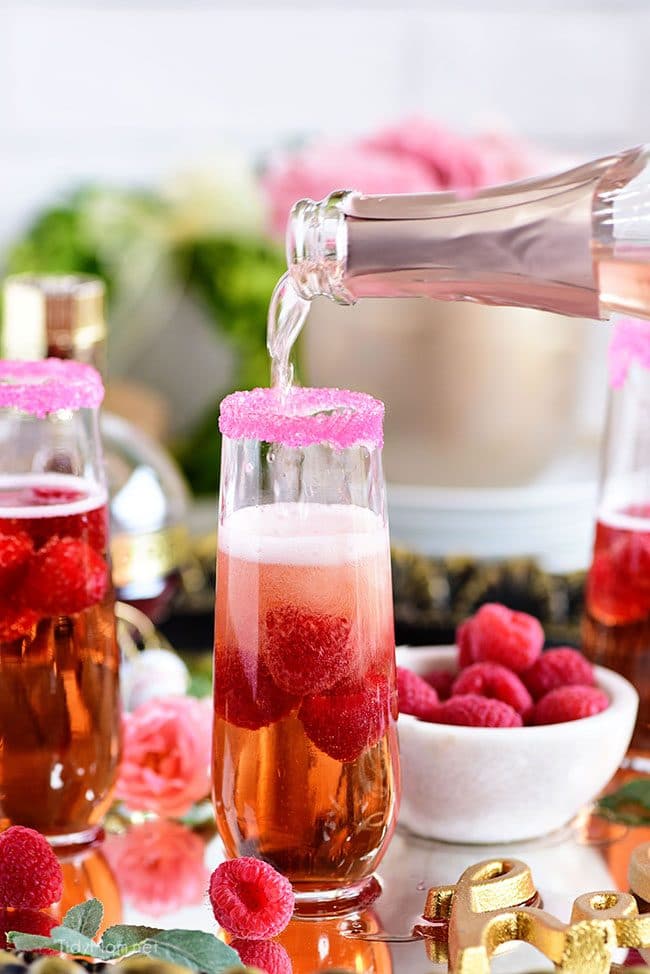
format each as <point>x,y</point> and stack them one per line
<point>616,624</point>
<point>62,316</point>
<point>577,243</point>
<point>59,659</point>
<point>305,761</point>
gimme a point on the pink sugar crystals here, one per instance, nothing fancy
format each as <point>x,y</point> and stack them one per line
<point>306,417</point>
<point>630,343</point>
<point>46,386</point>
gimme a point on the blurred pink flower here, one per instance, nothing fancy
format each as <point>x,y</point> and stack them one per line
<point>416,155</point>
<point>166,756</point>
<point>160,866</point>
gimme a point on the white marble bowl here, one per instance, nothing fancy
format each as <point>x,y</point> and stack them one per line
<point>495,785</point>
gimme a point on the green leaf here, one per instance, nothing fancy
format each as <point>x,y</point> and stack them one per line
<point>74,942</point>
<point>29,941</point>
<point>630,804</point>
<point>60,939</point>
<point>123,938</point>
<point>85,917</point>
<point>195,949</point>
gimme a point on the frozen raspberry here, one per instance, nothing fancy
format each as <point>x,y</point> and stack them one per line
<point>266,956</point>
<point>246,695</point>
<point>497,634</point>
<point>15,552</point>
<point>64,577</point>
<point>26,921</point>
<point>442,681</point>
<point>466,642</point>
<point>569,703</point>
<point>15,622</point>
<point>30,873</point>
<point>250,899</point>
<point>473,711</point>
<point>350,719</point>
<point>496,682</point>
<point>415,696</point>
<point>306,652</point>
<point>560,667</point>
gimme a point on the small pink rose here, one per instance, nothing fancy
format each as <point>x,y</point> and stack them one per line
<point>166,756</point>
<point>160,866</point>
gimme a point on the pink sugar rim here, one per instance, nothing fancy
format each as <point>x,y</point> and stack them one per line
<point>48,385</point>
<point>630,343</point>
<point>304,418</point>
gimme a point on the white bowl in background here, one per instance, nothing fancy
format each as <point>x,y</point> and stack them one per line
<point>497,785</point>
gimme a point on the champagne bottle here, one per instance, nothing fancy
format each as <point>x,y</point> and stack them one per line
<point>576,243</point>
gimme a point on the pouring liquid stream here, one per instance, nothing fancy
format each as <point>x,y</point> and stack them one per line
<point>287,315</point>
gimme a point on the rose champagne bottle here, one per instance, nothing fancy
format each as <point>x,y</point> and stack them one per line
<point>576,243</point>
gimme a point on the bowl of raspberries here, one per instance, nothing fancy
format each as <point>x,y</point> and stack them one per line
<point>500,741</point>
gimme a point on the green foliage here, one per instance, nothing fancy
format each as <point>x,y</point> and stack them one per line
<point>194,949</point>
<point>630,804</point>
<point>56,243</point>
<point>232,277</point>
<point>86,917</point>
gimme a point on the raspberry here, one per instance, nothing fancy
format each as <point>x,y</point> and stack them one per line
<point>415,696</point>
<point>250,899</point>
<point>248,697</point>
<point>30,873</point>
<point>497,634</point>
<point>473,711</point>
<point>266,956</point>
<point>569,703</point>
<point>65,577</point>
<point>350,719</point>
<point>442,681</point>
<point>26,921</point>
<point>15,622</point>
<point>495,682</point>
<point>306,652</point>
<point>560,667</point>
<point>15,552</point>
<point>466,642</point>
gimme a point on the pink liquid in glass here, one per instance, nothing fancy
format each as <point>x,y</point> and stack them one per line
<point>305,743</point>
<point>59,698</point>
<point>616,627</point>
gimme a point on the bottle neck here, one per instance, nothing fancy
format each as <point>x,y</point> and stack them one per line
<point>528,244</point>
<point>54,316</point>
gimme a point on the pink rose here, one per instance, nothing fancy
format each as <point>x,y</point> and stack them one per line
<point>317,170</point>
<point>166,756</point>
<point>160,866</point>
<point>416,155</point>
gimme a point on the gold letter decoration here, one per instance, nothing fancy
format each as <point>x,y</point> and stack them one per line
<point>493,904</point>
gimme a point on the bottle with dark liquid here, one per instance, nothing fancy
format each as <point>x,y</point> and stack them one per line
<point>62,316</point>
<point>616,624</point>
<point>577,243</point>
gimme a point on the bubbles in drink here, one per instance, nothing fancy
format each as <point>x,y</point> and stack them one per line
<point>287,314</point>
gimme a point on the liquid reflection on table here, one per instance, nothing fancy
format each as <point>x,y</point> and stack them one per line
<point>157,873</point>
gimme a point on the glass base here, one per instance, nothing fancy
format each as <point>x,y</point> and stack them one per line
<point>76,839</point>
<point>337,900</point>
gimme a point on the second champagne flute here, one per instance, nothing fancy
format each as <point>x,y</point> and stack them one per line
<point>305,764</point>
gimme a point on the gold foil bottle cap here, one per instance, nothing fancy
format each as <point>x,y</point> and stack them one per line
<point>59,315</point>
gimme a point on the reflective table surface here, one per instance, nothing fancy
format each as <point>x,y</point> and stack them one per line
<point>156,873</point>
